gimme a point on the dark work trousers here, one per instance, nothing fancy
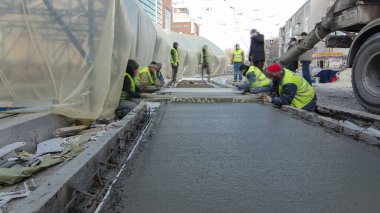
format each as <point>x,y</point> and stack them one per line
<point>208,71</point>
<point>174,73</point>
<point>306,71</point>
<point>312,105</point>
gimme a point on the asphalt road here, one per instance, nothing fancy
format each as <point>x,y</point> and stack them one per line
<point>246,158</point>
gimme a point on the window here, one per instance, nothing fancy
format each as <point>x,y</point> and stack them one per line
<point>181,10</point>
<point>168,19</point>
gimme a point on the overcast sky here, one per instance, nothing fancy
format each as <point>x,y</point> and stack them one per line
<point>226,26</point>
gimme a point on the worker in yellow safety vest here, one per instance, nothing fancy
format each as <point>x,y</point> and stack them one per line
<point>174,61</point>
<point>292,89</point>
<point>237,61</point>
<point>146,78</point>
<point>256,81</point>
<point>130,94</point>
<point>205,60</point>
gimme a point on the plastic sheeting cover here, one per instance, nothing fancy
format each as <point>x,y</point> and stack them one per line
<point>69,56</point>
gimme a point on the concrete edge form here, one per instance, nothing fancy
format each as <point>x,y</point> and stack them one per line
<point>30,128</point>
<point>351,112</point>
<point>332,124</point>
<point>56,192</point>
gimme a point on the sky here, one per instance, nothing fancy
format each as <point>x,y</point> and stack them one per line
<point>227,22</point>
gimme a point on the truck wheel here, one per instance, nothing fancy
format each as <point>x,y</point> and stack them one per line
<point>366,74</point>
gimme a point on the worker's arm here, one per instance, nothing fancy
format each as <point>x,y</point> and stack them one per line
<point>161,78</point>
<point>251,78</point>
<point>243,56</point>
<point>127,89</point>
<point>289,91</point>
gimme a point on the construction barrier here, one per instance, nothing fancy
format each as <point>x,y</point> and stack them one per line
<point>69,56</point>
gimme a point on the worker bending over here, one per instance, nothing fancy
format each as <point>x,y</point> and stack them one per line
<point>146,78</point>
<point>130,94</point>
<point>291,89</point>
<point>256,81</point>
<point>205,59</point>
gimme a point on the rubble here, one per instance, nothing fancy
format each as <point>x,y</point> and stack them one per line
<point>70,131</point>
<point>6,197</point>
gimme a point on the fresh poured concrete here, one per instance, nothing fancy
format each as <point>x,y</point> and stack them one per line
<point>247,158</point>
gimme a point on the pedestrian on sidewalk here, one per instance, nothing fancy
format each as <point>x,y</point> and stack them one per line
<point>305,60</point>
<point>205,59</point>
<point>291,89</point>
<point>256,81</point>
<point>237,60</point>
<point>293,66</point>
<point>174,61</point>
<point>257,52</point>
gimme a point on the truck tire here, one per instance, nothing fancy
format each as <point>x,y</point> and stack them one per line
<point>366,74</point>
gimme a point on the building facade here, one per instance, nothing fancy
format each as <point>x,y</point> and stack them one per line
<point>304,20</point>
<point>153,9</point>
<point>167,14</point>
<point>159,11</point>
<point>182,22</point>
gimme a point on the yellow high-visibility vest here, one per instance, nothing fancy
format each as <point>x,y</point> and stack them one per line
<point>261,79</point>
<point>145,70</point>
<point>238,56</point>
<point>124,95</point>
<point>174,60</point>
<point>208,57</point>
<point>305,92</point>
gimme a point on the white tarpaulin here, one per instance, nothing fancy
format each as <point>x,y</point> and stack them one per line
<point>69,56</point>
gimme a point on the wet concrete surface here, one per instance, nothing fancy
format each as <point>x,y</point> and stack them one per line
<point>200,92</point>
<point>247,158</point>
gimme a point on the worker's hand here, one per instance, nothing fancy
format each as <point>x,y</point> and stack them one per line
<point>266,99</point>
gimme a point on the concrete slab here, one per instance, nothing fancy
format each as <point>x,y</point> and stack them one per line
<point>247,158</point>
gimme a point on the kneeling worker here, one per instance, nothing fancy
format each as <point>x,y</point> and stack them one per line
<point>256,81</point>
<point>292,89</point>
<point>146,79</point>
<point>130,94</point>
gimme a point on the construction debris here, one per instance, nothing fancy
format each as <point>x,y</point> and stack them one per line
<point>6,197</point>
<point>10,148</point>
<point>70,131</point>
<point>65,149</point>
<point>51,146</point>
